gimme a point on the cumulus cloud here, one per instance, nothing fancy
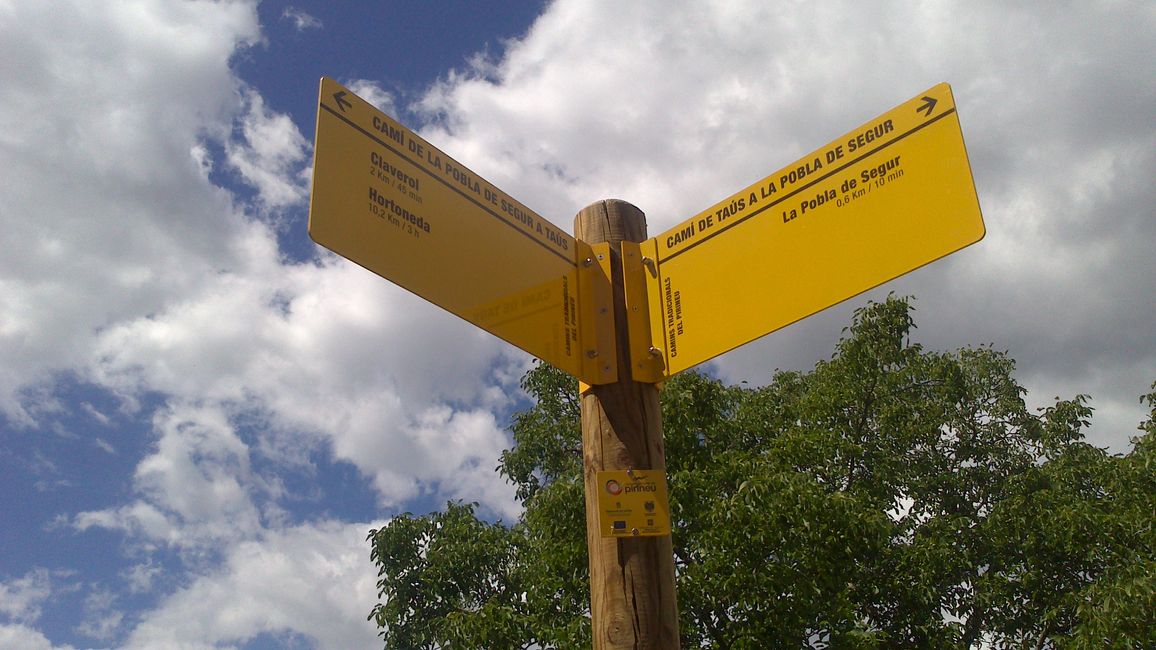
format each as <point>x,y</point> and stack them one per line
<point>311,580</point>
<point>710,97</point>
<point>124,266</point>
<point>21,598</point>
<point>269,155</point>
<point>332,358</point>
<point>105,214</point>
<point>127,268</point>
<point>101,620</point>
<point>196,488</point>
<point>372,92</point>
<point>26,638</point>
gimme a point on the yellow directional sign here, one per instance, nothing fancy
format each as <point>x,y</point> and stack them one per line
<point>392,202</point>
<point>882,200</point>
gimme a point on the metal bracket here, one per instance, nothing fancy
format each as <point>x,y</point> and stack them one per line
<point>595,305</point>
<point>647,361</point>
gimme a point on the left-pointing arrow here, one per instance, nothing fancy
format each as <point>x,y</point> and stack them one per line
<point>342,102</point>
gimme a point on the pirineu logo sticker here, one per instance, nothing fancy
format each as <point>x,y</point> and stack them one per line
<point>632,503</point>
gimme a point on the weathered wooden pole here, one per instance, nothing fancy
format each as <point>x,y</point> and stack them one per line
<point>632,594</point>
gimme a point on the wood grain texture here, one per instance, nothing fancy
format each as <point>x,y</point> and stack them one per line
<point>632,592</point>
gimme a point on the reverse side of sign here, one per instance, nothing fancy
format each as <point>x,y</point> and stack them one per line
<point>395,204</point>
<point>882,200</point>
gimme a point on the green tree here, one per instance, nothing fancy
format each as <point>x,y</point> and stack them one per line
<point>890,497</point>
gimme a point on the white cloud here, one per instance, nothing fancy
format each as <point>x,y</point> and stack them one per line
<point>101,619</point>
<point>196,492</point>
<point>96,414</point>
<point>372,92</point>
<point>313,580</point>
<point>332,356</point>
<point>104,446</point>
<point>140,577</point>
<point>26,638</point>
<point>200,476</point>
<point>105,216</point>
<point>270,155</point>
<point>123,265</point>
<point>21,599</point>
<point>675,107</point>
<point>301,20</point>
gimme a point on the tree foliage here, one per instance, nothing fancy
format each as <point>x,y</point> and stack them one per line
<point>890,497</point>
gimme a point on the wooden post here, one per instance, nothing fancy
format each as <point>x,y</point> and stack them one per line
<point>632,595</point>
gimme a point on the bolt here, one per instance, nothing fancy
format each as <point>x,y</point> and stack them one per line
<point>655,352</point>
<point>587,262</point>
<point>634,531</point>
<point>592,353</point>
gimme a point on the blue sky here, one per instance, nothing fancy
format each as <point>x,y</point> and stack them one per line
<point>202,413</point>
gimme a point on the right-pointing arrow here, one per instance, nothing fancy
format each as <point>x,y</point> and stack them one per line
<point>927,106</point>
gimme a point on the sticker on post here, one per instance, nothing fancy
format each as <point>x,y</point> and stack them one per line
<point>633,503</point>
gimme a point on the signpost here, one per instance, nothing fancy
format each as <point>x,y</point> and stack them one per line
<point>623,313</point>
<point>387,199</point>
<point>632,596</point>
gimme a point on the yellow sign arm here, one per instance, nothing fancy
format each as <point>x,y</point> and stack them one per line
<point>390,201</point>
<point>882,200</point>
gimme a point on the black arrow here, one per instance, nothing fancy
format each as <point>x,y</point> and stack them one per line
<point>344,103</point>
<point>927,106</point>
